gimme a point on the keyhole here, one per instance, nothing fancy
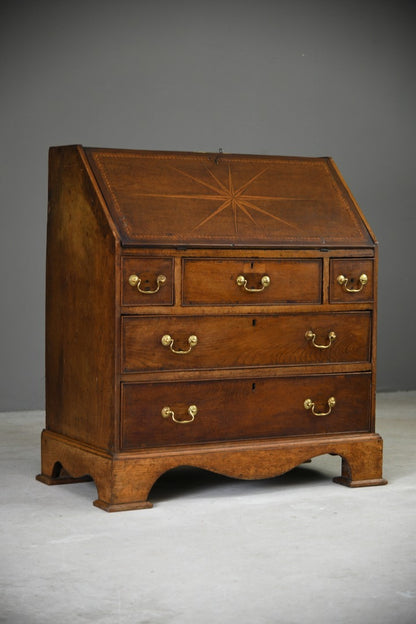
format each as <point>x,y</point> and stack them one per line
<point>253,386</point>
<point>254,322</point>
<point>252,265</point>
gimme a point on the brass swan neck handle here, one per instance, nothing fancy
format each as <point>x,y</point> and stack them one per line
<point>135,281</point>
<point>242,281</point>
<point>343,281</point>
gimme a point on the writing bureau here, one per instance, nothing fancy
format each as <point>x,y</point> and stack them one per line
<point>207,310</point>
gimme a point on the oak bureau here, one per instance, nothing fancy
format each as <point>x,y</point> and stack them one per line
<point>207,310</point>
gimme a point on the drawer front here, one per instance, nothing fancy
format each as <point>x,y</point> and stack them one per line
<point>242,409</point>
<point>251,282</point>
<point>147,281</point>
<point>351,280</point>
<point>195,342</point>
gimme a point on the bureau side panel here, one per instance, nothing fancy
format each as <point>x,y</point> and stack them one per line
<point>374,343</point>
<point>80,306</point>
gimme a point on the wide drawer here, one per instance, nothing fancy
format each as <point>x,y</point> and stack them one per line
<point>244,408</point>
<point>351,280</point>
<point>147,281</point>
<point>251,281</point>
<point>232,341</point>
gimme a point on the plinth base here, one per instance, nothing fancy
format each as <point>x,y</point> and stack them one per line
<point>124,480</point>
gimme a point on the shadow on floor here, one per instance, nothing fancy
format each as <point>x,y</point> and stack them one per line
<point>187,481</point>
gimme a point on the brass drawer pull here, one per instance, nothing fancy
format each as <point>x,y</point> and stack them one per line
<point>192,411</point>
<point>265,282</point>
<point>309,335</point>
<point>309,404</point>
<point>135,281</point>
<point>343,281</point>
<point>167,341</point>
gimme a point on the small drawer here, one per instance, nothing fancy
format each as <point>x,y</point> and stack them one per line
<point>251,282</point>
<point>351,280</point>
<point>165,414</point>
<point>147,281</point>
<point>233,341</point>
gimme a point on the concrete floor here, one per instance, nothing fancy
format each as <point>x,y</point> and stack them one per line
<point>295,549</point>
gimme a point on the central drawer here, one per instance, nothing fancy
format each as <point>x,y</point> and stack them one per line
<point>233,341</point>
<point>251,281</point>
<point>243,408</point>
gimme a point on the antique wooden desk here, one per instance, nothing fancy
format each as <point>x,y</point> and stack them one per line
<point>208,310</point>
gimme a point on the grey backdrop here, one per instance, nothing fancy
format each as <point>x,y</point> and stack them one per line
<point>295,77</point>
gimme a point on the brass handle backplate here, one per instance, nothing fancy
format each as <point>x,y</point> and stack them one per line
<point>343,281</point>
<point>168,341</point>
<point>310,335</point>
<point>310,405</point>
<point>242,281</point>
<point>135,281</point>
<point>168,413</point>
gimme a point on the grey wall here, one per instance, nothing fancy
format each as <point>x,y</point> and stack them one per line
<point>294,77</point>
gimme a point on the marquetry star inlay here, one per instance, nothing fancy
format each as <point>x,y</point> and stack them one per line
<point>226,196</point>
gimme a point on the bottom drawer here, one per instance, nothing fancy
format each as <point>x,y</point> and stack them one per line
<point>154,414</point>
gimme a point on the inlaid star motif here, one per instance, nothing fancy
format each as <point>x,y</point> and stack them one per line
<point>237,199</point>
